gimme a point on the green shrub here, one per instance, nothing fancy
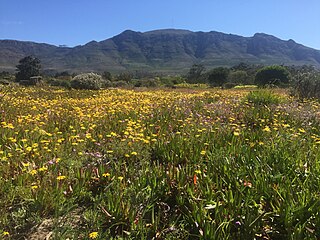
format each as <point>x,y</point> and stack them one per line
<point>91,81</point>
<point>229,85</point>
<point>60,83</point>
<point>272,75</point>
<point>307,85</point>
<point>263,97</point>
<point>146,83</point>
<point>218,76</point>
<point>106,84</point>
<point>120,83</point>
<point>239,77</point>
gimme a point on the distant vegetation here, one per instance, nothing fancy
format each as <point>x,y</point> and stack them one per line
<point>303,81</point>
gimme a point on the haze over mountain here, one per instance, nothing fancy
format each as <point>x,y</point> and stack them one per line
<point>168,50</point>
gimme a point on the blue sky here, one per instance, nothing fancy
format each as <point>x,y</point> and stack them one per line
<point>75,22</point>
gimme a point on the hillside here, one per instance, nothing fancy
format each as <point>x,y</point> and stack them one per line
<point>160,50</point>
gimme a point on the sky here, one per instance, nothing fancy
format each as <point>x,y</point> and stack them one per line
<point>76,22</point>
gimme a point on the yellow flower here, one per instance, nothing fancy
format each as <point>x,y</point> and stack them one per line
<point>5,233</point>
<point>29,149</point>
<point>236,133</point>
<point>197,171</point>
<point>61,177</point>
<point>109,151</point>
<point>203,152</point>
<point>33,172</point>
<point>26,164</point>
<point>134,153</point>
<point>34,187</point>
<point>93,235</point>
<point>106,174</point>
<point>42,169</point>
<point>120,178</point>
<point>266,129</point>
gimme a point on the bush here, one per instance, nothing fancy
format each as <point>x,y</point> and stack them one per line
<point>218,76</point>
<point>120,83</point>
<point>307,85</point>
<point>239,77</point>
<point>272,75</point>
<point>90,81</point>
<point>146,83</point>
<point>60,83</point>
<point>263,97</point>
<point>229,85</point>
<point>106,84</point>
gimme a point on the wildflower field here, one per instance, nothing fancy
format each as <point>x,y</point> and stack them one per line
<point>158,164</point>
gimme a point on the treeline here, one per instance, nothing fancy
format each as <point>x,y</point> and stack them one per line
<point>242,74</point>
<point>303,80</point>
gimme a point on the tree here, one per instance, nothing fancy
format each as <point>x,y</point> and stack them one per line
<point>195,73</point>
<point>125,76</point>
<point>273,75</point>
<point>28,67</point>
<point>106,75</point>
<point>238,76</point>
<point>218,76</point>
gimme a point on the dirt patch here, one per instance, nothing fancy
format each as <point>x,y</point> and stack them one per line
<point>44,231</point>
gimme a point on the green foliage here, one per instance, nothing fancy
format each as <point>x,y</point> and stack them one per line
<point>306,84</point>
<point>120,83</point>
<point>195,74</point>
<point>272,75</point>
<point>91,81</point>
<point>158,164</point>
<point>107,75</point>
<point>65,75</point>
<point>146,83</point>
<point>106,84</point>
<point>125,76</point>
<point>217,76</point>
<point>170,81</point>
<point>28,67</point>
<point>60,82</point>
<point>192,85</point>
<point>238,77</point>
<point>229,85</point>
<point>263,97</point>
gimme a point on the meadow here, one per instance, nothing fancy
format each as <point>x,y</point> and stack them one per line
<point>158,164</point>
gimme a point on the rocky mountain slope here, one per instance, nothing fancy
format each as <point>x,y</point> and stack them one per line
<point>168,50</point>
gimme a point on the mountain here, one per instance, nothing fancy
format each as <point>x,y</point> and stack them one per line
<point>168,50</point>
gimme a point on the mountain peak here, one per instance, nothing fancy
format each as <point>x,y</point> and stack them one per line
<point>169,31</point>
<point>168,50</point>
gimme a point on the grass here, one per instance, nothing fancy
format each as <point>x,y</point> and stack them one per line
<point>158,164</point>
<point>263,97</point>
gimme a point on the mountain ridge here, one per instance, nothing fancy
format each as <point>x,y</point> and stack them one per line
<point>167,50</point>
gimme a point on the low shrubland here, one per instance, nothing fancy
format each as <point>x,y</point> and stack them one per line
<point>158,164</point>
